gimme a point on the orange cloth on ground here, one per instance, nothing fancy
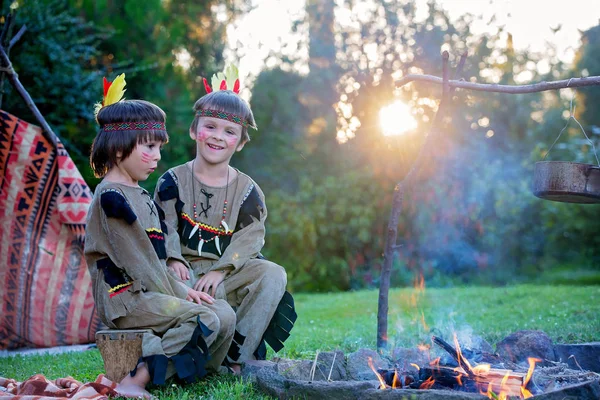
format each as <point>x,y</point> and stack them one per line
<point>38,387</point>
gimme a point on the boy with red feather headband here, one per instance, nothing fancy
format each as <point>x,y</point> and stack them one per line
<point>219,214</point>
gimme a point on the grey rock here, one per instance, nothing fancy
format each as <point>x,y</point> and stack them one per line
<point>518,346</point>
<point>585,355</point>
<point>586,391</point>
<point>251,368</point>
<point>404,358</point>
<point>358,368</point>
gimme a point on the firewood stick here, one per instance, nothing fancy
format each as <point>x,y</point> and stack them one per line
<point>460,359</point>
<point>313,370</point>
<point>331,369</point>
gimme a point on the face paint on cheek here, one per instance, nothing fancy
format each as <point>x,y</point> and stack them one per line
<point>202,136</point>
<point>232,141</point>
<point>146,158</point>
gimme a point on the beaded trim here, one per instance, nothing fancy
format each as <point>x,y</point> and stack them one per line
<point>247,193</point>
<point>174,177</point>
<point>134,126</point>
<point>223,115</point>
<point>208,228</point>
<point>112,190</point>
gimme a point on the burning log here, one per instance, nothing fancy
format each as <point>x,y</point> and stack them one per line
<point>495,383</point>
<point>455,353</point>
<point>451,378</point>
<point>394,379</point>
<point>485,378</point>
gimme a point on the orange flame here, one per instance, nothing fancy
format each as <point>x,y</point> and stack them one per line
<point>428,383</point>
<point>435,363</point>
<point>423,321</point>
<point>481,369</point>
<point>423,347</point>
<point>524,392</point>
<point>503,389</point>
<point>395,382</point>
<point>491,395</point>
<point>459,353</point>
<point>419,283</point>
<point>379,377</point>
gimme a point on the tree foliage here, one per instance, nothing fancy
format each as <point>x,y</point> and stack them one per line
<point>472,216</point>
<point>71,44</point>
<point>55,62</point>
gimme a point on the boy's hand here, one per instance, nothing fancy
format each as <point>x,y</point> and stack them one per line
<point>199,297</point>
<point>212,279</point>
<point>179,269</point>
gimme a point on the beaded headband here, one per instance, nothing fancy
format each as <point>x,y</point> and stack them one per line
<point>134,126</point>
<point>113,93</point>
<point>223,115</point>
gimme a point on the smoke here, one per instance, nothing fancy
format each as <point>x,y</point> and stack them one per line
<point>473,216</point>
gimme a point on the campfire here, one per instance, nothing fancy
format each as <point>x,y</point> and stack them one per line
<point>482,378</point>
<point>526,364</point>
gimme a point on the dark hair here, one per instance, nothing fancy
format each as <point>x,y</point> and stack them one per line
<point>228,101</point>
<point>106,145</point>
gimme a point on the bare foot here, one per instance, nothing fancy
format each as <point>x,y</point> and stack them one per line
<point>135,386</point>
<point>237,368</point>
<point>132,391</point>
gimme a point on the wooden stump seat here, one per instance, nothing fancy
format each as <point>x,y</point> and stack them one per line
<point>120,350</point>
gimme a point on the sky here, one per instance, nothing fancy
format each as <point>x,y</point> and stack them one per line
<point>529,21</point>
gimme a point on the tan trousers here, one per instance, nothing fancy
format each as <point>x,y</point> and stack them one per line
<point>254,290</point>
<point>173,322</point>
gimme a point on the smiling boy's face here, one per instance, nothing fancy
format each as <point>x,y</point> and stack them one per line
<point>217,139</point>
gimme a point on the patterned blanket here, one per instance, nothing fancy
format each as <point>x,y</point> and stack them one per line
<point>39,388</point>
<point>45,286</point>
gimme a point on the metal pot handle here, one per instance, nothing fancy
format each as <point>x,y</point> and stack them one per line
<point>571,116</point>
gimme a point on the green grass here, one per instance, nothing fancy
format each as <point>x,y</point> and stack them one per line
<point>348,321</point>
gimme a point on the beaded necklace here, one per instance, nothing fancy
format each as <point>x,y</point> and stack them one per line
<point>205,210</point>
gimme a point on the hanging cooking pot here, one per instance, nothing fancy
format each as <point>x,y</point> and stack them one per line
<point>567,182</point>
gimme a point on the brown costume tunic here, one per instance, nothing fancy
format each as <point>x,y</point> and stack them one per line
<point>125,252</point>
<point>253,285</point>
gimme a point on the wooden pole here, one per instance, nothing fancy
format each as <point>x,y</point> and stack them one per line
<point>511,89</point>
<point>6,67</point>
<point>5,43</point>
<point>398,197</point>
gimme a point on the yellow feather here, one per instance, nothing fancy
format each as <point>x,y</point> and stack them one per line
<point>215,82</point>
<point>116,91</point>
<point>231,74</point>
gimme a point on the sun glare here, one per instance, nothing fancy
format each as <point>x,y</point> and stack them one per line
<point>396,119</point>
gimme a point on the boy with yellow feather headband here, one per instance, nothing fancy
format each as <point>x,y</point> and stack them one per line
<point>217,214</point>
<point>126,254</point>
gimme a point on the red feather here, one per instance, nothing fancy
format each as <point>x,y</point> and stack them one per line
<point>206,86</point>
<point>236,86</point>
<point>106,87</point>
<point>223,85</point>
